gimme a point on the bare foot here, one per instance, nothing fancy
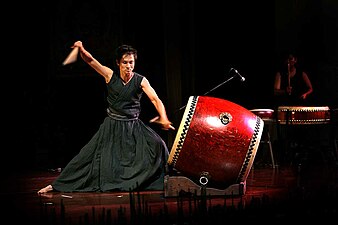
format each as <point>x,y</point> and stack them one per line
<point>45,189</point>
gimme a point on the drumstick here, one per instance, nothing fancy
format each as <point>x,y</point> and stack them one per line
<point>289,82</point>
<point>156,120</point>
<point>72,57</point>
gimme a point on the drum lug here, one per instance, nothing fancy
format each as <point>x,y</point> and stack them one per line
<point>225,118</point>
<point>204,178</point>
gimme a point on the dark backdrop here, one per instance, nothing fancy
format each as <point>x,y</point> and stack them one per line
<point>185,48</point>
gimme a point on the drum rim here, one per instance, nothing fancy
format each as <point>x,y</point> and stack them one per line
<point>303,108</point>
<point>182,130</point>
<point>262,110</point>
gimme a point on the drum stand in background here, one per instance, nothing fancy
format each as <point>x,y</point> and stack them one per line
<point>267,140</point>
<point>305,130</point>
<point>267,116</point>
<point>334,131</point>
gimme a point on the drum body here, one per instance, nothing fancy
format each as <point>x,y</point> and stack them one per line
<point>218,138</point>
<point>264,114</point>
<point>298,115</point>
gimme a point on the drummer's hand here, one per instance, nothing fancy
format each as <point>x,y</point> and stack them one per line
<point>303,96</point>
<point>165,124</point>
<point>77,44</point>
<point>289,90</point>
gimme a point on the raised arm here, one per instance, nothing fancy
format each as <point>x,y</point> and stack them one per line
<point>104,71</point>
<point>277,85</point>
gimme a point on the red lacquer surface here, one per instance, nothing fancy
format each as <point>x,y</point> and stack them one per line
<point>214,147</point>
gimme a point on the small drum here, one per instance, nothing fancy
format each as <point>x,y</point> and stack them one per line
<point>303,115</point>
<point>264,114</point>
<point>216,138</point>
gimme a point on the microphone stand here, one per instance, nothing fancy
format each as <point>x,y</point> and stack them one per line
<point>224,82</point>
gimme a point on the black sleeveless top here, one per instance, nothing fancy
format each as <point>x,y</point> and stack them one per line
<point>124,99</point>
<point>298,88</point>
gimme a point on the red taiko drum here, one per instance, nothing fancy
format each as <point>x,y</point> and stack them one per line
<point>303,115</point>
<point>218,138</point>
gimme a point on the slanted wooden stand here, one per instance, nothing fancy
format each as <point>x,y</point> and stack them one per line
<point>179,185</point>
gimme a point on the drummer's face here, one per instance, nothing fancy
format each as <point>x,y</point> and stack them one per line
<point>127,64</point>
<point>292,60</point>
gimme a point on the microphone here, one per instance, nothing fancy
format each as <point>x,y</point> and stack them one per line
<point>242,78</point>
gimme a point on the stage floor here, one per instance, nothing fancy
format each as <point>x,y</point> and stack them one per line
<point>301,191</point>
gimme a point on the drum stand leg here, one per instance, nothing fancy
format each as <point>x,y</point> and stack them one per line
<point>336,148</point>
<point>268,141</point>
<point>271,152</point>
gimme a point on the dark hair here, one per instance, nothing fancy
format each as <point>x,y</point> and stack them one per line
<point>125,49</point>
